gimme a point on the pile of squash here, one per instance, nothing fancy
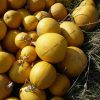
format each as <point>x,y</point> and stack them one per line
<point>40,49</point>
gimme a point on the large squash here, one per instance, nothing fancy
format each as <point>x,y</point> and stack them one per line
<point>51,47</point>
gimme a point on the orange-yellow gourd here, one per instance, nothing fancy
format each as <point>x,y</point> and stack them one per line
<point>5,87</point>
<point>84,16</point>
<point>15,4</point>
<point>28,93</point>
<point>72,33</point>
<point>74,62</point>
<point>36,5</point>
<point>20,71</point>
<point>30,23</point>
<point>9,41</point>
<point>28,54</point>
<point>60,86</point>
<point>58,11</point>
<point>42,14</point>
<point>3,6</point>
<point>6,61</point>
<point>51,47</point>
<point>3,30</point>
<point>12,18</point>
<point>22,40</point>
<point>42,75</point>
<point>48,25</point>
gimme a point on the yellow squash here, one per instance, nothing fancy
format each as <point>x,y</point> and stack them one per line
<point>51,47</point>
<point>28,92</point>
<point>48,25</point>
<point>60,86</point>
<point>6,86</point>
<point>72,33</point>
<point>20,71</point>
<point>6,61</point>
<point>42,75</point>
<point>74,62</point>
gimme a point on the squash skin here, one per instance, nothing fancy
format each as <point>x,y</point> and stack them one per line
<point>83,17</point>
<point>49,45</point>
<point>42,75</point>
<point>74,62</point>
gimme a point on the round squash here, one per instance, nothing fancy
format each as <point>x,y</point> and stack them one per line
<point>22,40</point>
<point>20,71</point>
<point>60,86</point>
<point>48,25</point>
<point>72,33</point>
<point>15,4</point>
<point>28,54</point>
<point>51,47</point>
<point>84,17</point>
<point>28,92</point>
<point>74,62</point>
<point>3,30</point>
<point>36,5</point>
<point>58,11</point>
<point>12,18</point>
<point>5,86</point>
<point>6,61</point>
<point>9,41</point>
<point>42,75</point>
<point>30,23</point>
